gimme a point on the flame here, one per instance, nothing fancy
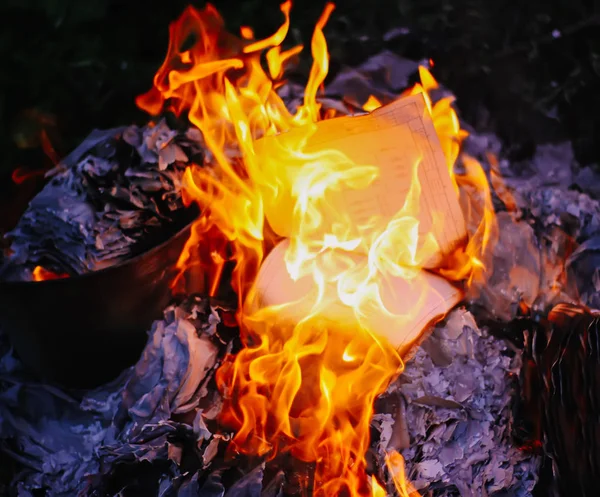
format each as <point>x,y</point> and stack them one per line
<point>302,386</point>
<point>42,274</point>
<point>247,32</point>
<point>371,104</point>
<point>20,175</point>
<point>498,183</point>
<point>444,117</point>
<point>48,148</point>
<point>377,490</point>
<point>395,465</point>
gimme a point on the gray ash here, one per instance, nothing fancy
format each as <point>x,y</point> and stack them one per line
<point>451,414</point>
<point>155,416</point>
<point>453,418</point>
<point>115,196</point>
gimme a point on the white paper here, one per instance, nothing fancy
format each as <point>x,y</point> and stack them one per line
<point>393,138</point>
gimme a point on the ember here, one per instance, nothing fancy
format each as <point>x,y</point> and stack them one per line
<point>41,274</point>
<point>20,175</point>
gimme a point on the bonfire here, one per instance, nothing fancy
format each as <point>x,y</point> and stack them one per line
<point>332,240</point>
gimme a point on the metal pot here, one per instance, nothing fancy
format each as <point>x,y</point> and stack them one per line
<point>83,331</point>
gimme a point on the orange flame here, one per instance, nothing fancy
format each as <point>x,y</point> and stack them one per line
<point>377,490</point>
<point>371,104</point>
<point>395,465</point>
<point>42,274</point>
<point>305,385</point>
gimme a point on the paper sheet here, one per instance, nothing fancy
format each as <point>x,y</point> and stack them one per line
<point>393,138</point>
<point>409,305</point>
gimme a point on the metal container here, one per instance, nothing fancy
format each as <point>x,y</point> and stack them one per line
<point>83,331</point>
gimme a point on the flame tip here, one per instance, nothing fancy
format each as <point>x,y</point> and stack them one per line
<point>311,381</point>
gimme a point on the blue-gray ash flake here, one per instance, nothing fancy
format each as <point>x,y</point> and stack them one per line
<point>456,395</point>
<point>68,447</point>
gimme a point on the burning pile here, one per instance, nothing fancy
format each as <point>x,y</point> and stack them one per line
<point>306,385</point>
<point>334,292</point>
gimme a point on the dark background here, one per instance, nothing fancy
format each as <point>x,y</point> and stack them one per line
<point>529,71</point>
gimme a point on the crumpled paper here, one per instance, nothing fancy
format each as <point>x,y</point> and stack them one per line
<point>115,195</point>
<point>547,223</point>
<point>548,189</point>
<point>70,446</point>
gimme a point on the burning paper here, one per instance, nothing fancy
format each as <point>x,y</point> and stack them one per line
<point>367,205</point>
<point>307,388</point>
<point>405,191</point>
<point>412,304</point>
<point>391,141</point>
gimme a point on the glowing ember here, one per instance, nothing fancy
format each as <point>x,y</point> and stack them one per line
<point>21,175</point>
<point>307,387</point>
<point>41,274</point>
<point>247,32</point>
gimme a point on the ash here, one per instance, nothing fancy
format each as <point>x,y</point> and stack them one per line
<point>116,195</point>
<point>453,415</point>
<point>148,418</point>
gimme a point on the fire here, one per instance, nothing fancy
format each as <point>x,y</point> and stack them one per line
<point>377,489</point>
<point>20,175</point>
<point>41,274</point>
<point>371,104</point>
<point>247,32</point>
<point>304,386</point>
<point>395,465</point>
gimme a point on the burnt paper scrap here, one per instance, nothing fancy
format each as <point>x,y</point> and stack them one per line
<point>116,195</point>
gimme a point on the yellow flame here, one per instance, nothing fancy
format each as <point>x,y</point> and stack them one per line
<point>377,489</point>
<point>371,104</point>
<point>395,465</point>
<point>304,386</point>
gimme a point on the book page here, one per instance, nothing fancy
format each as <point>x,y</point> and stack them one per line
<point>410,305</point>
<point>393,138</point>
